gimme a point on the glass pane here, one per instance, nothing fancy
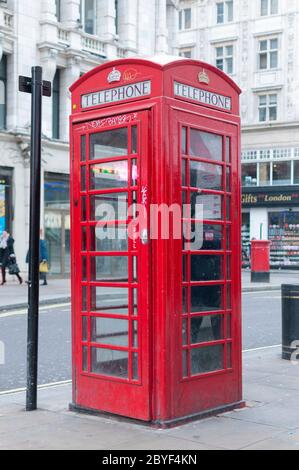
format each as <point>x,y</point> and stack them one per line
<point>109,331</point>
<point>135,374</point>
<point>282,173</point>
<point>185,331</point>
<point>83,178</point>
<point>219,52</point>
<point>85,358</point>
<point>228,326</point>
<point>249,174</point>
<point>206,298</point>
<point>83,148</point>
<point>84,268</point>
<point>228,149</point>
<point>274,44</point>
<point>84,328</point>
<point>274,7</point>
<point>228,179</point>
<point>228,268</point>
<point>208,205</point>
<point>296,172</point>
<point>230,10</point>
<point>134,139</point>
<point>219,64</point>
<point>264,7</point>
<point>273,113</point>
<point>187,18</point>
<point>84,299</point>
<point>84,239</point>
<point>206,359</point>
<point>228,208</point>
<point>262,114</point>
<point>109,362</point>
<point>184,268</point>
<point>109,175</point>
<point>83,209</point>
<point>204,237</point>
<point>206,268</point>
<point>134,301</point>
<point>109,144</point>
<point>134,172</point>
<point>205,145</point>
<point>228,297</point>
<point>184,300</point>
<point>263,45</point>
<point>184,171</point>
<point>263,61</point>
<point>135,334</point>
<point>229,355</point>
<point>273,60</point>
<point>109,300</point>
<point>109,268</point>
<point>109,207</point>
<point>111,238</point>
<point>185,363</point>
<point>208,328</point>
<point>205,176</point>
<point>184,140</point>
<point>264,169</point>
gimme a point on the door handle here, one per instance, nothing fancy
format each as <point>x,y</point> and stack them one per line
<point>144,236</point>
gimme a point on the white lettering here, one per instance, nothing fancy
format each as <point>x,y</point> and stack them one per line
<point>113,95</point>
<point>202,96</point>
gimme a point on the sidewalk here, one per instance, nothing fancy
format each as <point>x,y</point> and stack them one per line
<point>13,296</point>
<point>269,421</point>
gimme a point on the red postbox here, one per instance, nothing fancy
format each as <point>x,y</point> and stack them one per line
<point>156,250</point>
<point>260,260</point>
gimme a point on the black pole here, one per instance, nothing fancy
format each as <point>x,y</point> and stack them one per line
<point>34,236</point>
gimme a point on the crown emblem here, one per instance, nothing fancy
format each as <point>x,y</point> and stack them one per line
<point>114,76</point>
<point>203,77</point>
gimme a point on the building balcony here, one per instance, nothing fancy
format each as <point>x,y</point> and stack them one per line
<point>7,30</point>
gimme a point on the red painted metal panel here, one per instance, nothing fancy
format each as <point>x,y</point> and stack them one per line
<point>260,255</point>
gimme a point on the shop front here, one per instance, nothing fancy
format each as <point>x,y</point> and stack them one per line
<point>273,214</point>
<point>5,199</point>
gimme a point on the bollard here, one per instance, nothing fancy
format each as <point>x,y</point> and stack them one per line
<point>290,319</point>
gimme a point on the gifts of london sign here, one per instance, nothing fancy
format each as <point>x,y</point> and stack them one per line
<point>202,96</point>
<point>115,95</point>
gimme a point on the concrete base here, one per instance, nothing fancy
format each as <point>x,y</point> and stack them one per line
<point>161,424</point>
<point>260,276</point>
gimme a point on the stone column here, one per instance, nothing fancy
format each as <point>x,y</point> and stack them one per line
<point>70,13</point>
<point>162,33</point>
<point>48,10</point>
<point>105,25</point>
<point>49,65</point>
<point>67,77</point>
<point>128,24</point>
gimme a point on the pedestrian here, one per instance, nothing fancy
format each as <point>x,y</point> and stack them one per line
<point>8,257</point>
<point>43,259</point>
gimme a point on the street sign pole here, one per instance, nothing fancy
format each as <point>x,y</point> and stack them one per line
<point>37,88</point>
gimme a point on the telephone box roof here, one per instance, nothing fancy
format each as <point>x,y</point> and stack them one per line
<point>162,62</point>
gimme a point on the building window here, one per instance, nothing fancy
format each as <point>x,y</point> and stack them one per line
<point>281,173</point>
<point>187,53</point>
<point>267,108</point>
<point>224,58</point>
<point>185,19</point>
<point>268,54</point>
<point>269,7</point>
<point>116,17</point>
<point>56,106</point>
<point>3,76</point>
<point>225,12</point>
<point>265,174</point>
<point>296,172</point>
<point>88,16</point>
<point>57,10</point>
<point>249,174</point>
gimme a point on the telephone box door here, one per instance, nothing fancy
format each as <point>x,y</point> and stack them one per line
<point>208,323</point>
<point>111,266</point>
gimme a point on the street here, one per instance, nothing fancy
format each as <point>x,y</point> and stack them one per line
<point>261,327</point>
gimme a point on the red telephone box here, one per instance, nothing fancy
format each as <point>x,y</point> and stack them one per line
<point>156,316</point>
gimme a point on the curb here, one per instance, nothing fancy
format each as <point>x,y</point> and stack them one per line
<point>261,288</point>
<point>7,308</point>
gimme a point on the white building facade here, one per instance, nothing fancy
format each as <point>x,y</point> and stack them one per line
<point>67,38</point>
<point>257,43</point>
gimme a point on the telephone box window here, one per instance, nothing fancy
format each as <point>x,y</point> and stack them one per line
<point>205,145</point>
<point>84,329</point>
<point>109,144</point>
<point>109,207</point>
<point>109,300</point>
<point>206,298</point>
<point>108,238</point>
<point>206,328</point>
<point>207,359</point>
<point>205,176</point>
<point>110,331</point>
<point>109,362</point>
<point>109,175</point>
<point>85,358</point>
<point>84,299</point>
<point>211,204</point>
<point>206,268</point>
<point>109,268</point>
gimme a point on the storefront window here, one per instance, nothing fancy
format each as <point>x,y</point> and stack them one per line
<point>296,172</point>
<point>284,237</point>
<point>245,239</point>
<point>5,199</point>
<point>249,174</point>
<point>281,173</point>
<point>265,174</point>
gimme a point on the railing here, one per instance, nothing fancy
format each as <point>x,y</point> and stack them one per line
<point>121,52</point>
<point>93,45</point>
<point>63,36</point>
